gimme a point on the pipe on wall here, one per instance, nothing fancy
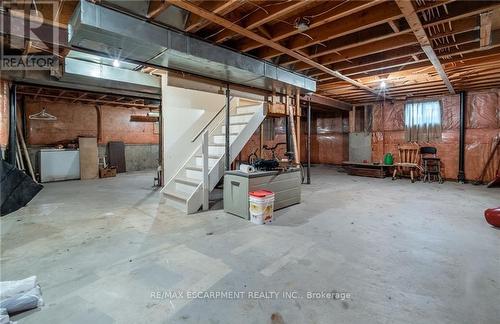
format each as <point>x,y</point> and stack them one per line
<point>309,141</point>
<point>461,145</point>
<point>11,154</point>
<point>228,110</point>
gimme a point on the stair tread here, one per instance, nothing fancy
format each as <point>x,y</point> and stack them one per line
<point>237,124</point>
<point>230,134</point>
<point>177,194</point>
<point>194,168</point>
<point>186,180</point>
<point>210,156</point>
<point>243,114</point>
<point>250,102</point>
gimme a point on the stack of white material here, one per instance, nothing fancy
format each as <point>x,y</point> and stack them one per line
<point>247,168</point>
<point>18,296</point>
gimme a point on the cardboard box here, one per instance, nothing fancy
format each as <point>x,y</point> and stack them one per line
<point>107,172</point>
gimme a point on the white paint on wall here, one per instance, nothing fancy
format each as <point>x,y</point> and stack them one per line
<point>185,113</point>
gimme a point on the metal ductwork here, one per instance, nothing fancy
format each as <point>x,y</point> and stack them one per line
<point>119,36</point>
<point>85,72</point>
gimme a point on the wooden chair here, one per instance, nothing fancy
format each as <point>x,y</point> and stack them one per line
<point>408,160</point>
<point>430,164</point>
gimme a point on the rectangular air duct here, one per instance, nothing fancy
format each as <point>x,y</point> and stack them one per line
<point>122,37</point>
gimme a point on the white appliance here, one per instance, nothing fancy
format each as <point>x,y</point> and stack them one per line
<point>58,164</point>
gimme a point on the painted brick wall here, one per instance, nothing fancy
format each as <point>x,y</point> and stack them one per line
<point>75,120</point>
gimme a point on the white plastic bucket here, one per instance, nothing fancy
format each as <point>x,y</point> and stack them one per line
<point>261,204</point>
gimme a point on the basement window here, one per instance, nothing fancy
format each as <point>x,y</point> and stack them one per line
<point>362,119</point>
<point>423,121</point>
<point>269,129</point>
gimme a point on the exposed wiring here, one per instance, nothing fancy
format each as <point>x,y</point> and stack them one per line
<point>324,12</point>
<point>36,9</point>
<point>248,14</point>
<point>309,37</point>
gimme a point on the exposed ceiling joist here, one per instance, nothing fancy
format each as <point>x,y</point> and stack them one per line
<point>332,10</point>
<point>264,41</point>
<point>156,7</point>
<point>411,16</point>
<point>486,22</point>
<point>196,22</point>
<point>263,16</point>
<point>393,26</point>
<point>358,21</point>
<point>464,42</point>
<point>346,42</point>
<point>363,50</point>
<point>326,101</point>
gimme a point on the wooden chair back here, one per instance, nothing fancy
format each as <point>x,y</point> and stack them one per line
<point>409,153</point>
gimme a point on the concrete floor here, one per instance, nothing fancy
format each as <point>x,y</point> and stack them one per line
<point>109,251</point>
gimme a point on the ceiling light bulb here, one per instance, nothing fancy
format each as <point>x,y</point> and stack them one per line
<point>116,63</point>
<point>382,84</point>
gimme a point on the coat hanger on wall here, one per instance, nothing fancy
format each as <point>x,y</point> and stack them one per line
<point>43,115</point>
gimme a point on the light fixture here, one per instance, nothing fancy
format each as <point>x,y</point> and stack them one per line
<point>302,24</point>
<point>116,63</point>
<point>382,84</point>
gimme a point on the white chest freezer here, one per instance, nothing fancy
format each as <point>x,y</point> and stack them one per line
<point>58,164</point>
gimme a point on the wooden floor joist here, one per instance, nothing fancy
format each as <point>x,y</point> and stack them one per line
<point>411,16</point>
<point>194,9</point>
<point>486,22</point>
<point>349,46</point>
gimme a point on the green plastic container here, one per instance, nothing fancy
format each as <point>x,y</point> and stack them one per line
<point>388,159</point>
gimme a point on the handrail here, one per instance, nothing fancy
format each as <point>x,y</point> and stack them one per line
<point>210,122</point>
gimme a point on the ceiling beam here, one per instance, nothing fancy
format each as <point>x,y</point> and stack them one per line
<point>411,16</point>
<point>393,26</point>
<point>196,22</point>
<point>330,11</point>
<point>264,41</point>
<point>370,17</point>
<point>327,101</point>
<point>357,22</point>
<point>400,52</point>
<point>486,57</point>
<point>377,35</point>
<point>156,7</point>
<point>486,22</point>
<point>360,38</point>
<point>262,16</point>
<point>462,9</point>
<point>363,50</point>
<point>82,99</point>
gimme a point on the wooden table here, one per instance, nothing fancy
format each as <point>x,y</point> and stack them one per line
<point>367,169</point>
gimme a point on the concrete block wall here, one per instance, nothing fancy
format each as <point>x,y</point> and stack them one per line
<point>360,146</point>
<point>138,157</point>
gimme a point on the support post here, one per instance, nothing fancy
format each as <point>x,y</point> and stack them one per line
<point>163,130</point>
<point>309,142</point>
<point>204,152</point>
<point>261,145</point>
<point>287,125</point>
<point>228,109</point>
<point>298,113</point>
<point>11,156</point>
<point>293,133</point>
<point>461,148</point>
